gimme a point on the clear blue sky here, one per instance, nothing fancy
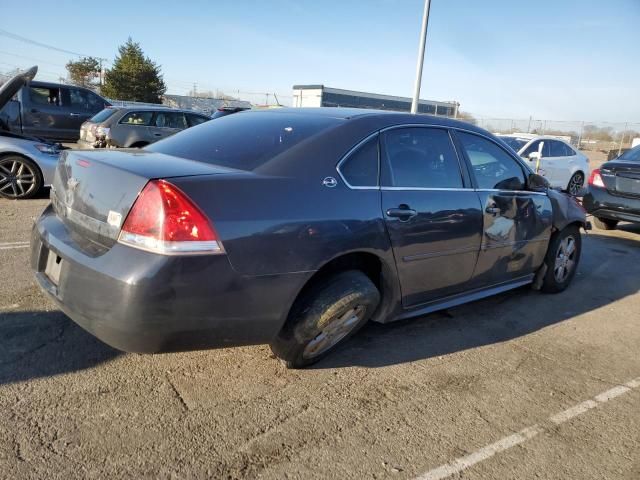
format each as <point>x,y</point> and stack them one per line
<point>555,59</point>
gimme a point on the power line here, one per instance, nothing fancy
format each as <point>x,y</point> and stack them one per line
<point>31,58</point>
<point>43,45</point>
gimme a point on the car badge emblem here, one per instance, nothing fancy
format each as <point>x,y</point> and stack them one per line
<point>114,219</point>
<point>329,182</point>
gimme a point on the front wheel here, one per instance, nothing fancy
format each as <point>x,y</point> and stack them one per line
<point>324,317</point>
<point>562,259</point>
<point>20,177</point>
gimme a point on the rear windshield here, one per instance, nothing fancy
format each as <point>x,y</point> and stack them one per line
<point>102,115</point>
<point>633,154</point>
<point>245,140</point>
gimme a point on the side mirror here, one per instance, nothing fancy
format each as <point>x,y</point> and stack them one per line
<point>537,182</point>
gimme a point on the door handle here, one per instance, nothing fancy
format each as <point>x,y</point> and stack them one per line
<point>492,210</point>
<point>403,212</point>
<point>157,134</point>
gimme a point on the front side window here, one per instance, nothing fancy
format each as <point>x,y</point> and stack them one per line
<point>137,118</point>
<point>360,169</point>
<point>45,96</point>
<point>420,158</point>
<point>170,120</point>
<point>493,167</point>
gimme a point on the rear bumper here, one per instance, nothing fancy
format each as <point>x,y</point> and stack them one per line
<point>602,204</point>
<point>142,302</point>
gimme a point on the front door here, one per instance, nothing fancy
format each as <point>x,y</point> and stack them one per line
<point>517,222</point>
<point>44,114</point>
<point>432,215</point>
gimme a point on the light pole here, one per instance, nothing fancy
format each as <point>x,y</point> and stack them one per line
<point>423,41</point>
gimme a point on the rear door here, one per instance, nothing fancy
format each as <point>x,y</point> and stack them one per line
<point>80,105</point>
<point>557,164</point>
<point>165,124</point>
<point>432,214</point>
<point>517,222</point>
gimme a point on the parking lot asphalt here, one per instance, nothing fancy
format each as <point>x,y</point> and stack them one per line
<point>522,385</point>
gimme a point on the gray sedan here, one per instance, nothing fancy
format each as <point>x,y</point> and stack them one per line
<point>26,165</point>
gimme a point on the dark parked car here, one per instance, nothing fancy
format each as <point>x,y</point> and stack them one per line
<point>614,191</point>
<point>224,111</point>
<point>137,126</point>
<point>49,110</point>
<point>295,227</point>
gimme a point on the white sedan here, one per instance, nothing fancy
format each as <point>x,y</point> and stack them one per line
<point>561,164</point>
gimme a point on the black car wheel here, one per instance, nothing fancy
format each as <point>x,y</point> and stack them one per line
<point>562,259</point>
<point>575,184</point>
<point>605,223</point>
<point>324,317</point>
<point>19,177</point>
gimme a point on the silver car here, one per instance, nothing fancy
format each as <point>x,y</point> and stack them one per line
<point>26,163</point>
<point>132,127</point>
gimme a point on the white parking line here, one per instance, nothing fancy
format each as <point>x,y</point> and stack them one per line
<point>12,245</point>
<point>462,463</point>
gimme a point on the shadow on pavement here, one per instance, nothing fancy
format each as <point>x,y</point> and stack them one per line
<point>609,271</point>
<point>43,344</point>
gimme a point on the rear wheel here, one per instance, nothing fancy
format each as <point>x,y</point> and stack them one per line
<point>575,184</point>
<point>20,177</point>
<point>562,259</point>
<point>605,223</point>
<point>324,317</point>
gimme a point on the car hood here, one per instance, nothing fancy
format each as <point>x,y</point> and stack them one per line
<point>15,83</point>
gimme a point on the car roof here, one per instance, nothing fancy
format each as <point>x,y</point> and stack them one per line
<point>389,116</point>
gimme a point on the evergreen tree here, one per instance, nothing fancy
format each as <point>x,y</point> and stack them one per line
<point>134,77</point>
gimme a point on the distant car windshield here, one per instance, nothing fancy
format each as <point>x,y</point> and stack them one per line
<point>513,142</point>
<point>633,154</point>
<point>244,141</point>
<point>102,115</point>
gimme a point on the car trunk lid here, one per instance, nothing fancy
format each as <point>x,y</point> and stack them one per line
<point>622,177</point>
<point>93,191</point>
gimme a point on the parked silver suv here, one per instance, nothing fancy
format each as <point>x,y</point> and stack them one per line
<point>131,127</point>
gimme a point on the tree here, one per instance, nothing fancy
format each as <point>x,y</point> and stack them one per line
<point>134,77</point>
<point>84,72</point>
<point>467,117</point>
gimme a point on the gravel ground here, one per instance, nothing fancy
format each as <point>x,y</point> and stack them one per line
<point>397,401</point>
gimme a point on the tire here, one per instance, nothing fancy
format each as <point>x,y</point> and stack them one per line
<point>576,182</point>
<point>325,317</point>
<point>605,223</point>
<point>20,177</point>
<point>561,270</point>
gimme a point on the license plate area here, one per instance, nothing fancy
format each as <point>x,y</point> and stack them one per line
<point>53,267</point>
<point>628,185</point>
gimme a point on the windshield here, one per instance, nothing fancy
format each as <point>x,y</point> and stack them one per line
<point>102,115</point>
<point>513,142</point>
<point>244,141</point>
<point>633,154</point>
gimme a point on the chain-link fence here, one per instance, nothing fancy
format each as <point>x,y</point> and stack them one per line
<point>595,136</point>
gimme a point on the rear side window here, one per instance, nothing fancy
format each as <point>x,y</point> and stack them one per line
<point>420,158</point>
<point>558,149</point>
<point>103,115</point>
<point>137,118</point>
<point>360,169</point>
<point>633,154</point>
<point>569,151</point>
<point>81,99</point>
<point>492,166</point>
<point>246,140</point>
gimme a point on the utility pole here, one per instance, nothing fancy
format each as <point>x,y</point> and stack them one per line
<point>420,63</point>
<point>529,126</point>
<point>580,135</point>
<point>195,89</point>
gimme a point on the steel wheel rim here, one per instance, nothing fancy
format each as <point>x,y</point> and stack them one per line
<point>17,178</point>
<point>334,331</point>
<point>575,184</point>
<point>565,259</point>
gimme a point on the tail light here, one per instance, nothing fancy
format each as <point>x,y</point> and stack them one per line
<point>164,220</point>
<point>595,178</point>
